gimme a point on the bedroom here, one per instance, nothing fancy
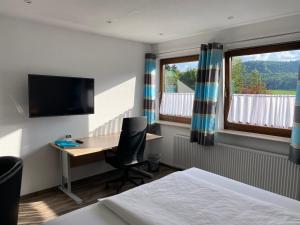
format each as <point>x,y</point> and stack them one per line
<point>107,41</point>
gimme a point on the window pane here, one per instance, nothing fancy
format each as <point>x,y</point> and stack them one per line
<point>178,89</point>
<point>180,77</point>
<point>263,88</point>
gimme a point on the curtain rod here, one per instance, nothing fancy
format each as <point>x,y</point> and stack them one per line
<point>233,42</point>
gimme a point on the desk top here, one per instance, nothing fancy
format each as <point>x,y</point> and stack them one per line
<point>97,144</point>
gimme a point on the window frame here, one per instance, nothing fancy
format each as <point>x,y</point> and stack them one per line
<point>181,59</point>
<point>227,100</point>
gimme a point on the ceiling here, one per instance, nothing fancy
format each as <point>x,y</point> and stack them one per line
<point>150,21</point>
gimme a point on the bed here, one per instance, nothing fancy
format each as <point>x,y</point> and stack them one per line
<point>188,197</point>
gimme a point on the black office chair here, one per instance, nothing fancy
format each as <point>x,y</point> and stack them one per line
<point>10,185</point>
<point>130,151</point>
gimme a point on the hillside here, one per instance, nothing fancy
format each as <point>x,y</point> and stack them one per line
<point>273,67</point>
<point>277,75</point>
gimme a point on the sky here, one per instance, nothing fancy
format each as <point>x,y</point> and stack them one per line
<point>275,56</point>
<point>185,66</point>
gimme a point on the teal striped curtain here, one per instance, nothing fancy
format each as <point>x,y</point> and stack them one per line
<point>206,94</point>
<point>295,144</point>
<point>149,90</point>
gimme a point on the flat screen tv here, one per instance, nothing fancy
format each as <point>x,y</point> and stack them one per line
<point>60,96</point>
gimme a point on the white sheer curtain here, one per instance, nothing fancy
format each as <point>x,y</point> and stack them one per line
<point>262,110</point>
<point>177,104</point>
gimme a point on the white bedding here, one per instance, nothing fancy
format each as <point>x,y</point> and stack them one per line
<point>185,198</point>
<point>98,214</point>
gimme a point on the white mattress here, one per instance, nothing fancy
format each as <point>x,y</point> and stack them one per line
<point>98,214</point>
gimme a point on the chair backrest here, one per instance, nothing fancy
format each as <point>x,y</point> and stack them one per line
<point>132,140</point>
<point>10,185</point>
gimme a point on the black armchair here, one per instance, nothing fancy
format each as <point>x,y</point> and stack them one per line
<point>130,151</point>
<point>10,185</point>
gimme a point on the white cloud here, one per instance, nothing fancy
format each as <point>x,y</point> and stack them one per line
<point>274,56</point>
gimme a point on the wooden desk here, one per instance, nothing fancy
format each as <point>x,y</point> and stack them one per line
<point>97,144</point>
<point>90,149</point>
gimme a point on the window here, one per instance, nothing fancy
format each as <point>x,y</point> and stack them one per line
<point>260,88</point>
<point>177,86</point>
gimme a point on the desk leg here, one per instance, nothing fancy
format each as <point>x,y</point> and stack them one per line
<point>65,171</point>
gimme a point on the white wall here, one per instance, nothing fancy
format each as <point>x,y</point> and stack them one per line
<point>232,39</point>
<point>28,47</point>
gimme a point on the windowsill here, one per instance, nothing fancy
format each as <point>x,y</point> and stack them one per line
<point>232,132</point>
<point>174,124</point>
<point>256,135</point>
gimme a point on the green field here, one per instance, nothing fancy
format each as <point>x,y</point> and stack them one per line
<point>282,92</point>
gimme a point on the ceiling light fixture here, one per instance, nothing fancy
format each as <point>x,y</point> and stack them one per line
<point>109,21</point>
<point>230,17</point>
<point>161,34</point>
<point>28,1</point>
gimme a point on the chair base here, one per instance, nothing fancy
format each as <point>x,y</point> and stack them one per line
<point>124,179</point>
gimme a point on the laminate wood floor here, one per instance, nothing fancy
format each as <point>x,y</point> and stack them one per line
<point>45,205</point>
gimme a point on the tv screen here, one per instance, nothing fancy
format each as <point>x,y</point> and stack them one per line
<point>60,96</point>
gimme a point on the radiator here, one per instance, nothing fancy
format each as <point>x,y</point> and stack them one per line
<point>268,171</point>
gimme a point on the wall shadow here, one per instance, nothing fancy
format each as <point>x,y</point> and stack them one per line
<point>112,126</point>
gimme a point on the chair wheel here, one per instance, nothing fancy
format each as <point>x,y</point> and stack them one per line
<point>106,186</point>
<point>142,182</point>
